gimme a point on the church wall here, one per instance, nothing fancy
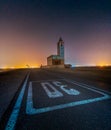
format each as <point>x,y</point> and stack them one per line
<point>49,61</point>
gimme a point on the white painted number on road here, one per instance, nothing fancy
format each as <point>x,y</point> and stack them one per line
<point>55,93</point>
<point>70,91</point>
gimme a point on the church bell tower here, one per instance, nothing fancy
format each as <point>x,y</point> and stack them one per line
<point>60,48</point>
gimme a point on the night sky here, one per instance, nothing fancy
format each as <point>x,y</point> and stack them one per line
<point>30,30</point>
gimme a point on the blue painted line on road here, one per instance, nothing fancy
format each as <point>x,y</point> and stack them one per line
<point>14,115</point>
<point>31,111</point>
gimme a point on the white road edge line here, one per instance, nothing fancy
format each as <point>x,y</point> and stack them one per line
<point>31,111</point>
<point>86,87</point>
<point>15,112</point>
<point>83,84</point>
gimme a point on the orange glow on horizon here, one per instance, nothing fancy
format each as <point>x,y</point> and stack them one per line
<point>102,64</point>
<point>21,66</point>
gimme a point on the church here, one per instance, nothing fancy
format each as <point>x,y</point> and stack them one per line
<point>57,60</point>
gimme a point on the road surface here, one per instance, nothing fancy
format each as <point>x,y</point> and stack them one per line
<point>50,100</point>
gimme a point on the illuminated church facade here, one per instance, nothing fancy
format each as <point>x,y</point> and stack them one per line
<point>57,60</point>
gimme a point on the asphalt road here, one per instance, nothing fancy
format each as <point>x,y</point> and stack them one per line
<point>51,100</point>
<point>10,82</point>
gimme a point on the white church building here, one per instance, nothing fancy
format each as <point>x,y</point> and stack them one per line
<point>57,60</point>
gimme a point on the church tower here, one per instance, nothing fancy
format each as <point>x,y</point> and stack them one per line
<point>57,60</point>
<point>60,48</point>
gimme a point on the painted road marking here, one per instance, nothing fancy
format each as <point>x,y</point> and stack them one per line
<point>30,110</point>
<point>70,91</point>
<point>56,93</point>
<point>52,94</point>
<point>83,84</point>
<point>87,86</point>
<point>14,115</point>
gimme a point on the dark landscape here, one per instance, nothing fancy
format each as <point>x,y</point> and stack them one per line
<point>97,78</point>
<point>102,75</point>
<point>55,64</point>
